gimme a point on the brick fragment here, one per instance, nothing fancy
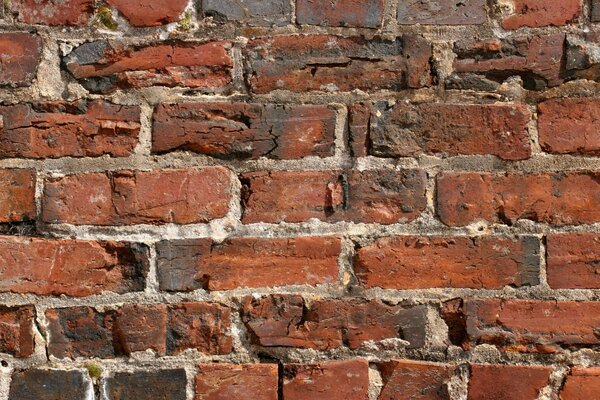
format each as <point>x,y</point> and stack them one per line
<point>501,382</point>
<point>572,261</point>
<point>581,384</point>
<point>349,13</point>
<point>414,380</point>
<point>19,58</point>
<point>231,381</point>
<point>142,13</point>
<point>251,12</point>
<point>443,12</point>
<point>167,384</point>
<point>540,13</point>
<point>17,195</point>
<point>53,12</point>
<point>36,384</point>
<point>16,331</point>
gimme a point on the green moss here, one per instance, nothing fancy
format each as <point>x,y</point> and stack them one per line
<point>104,18</point>
<point>185,24</point>
<point>94,370</point>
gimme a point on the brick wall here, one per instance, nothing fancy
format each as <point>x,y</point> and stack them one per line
<point>299,199</point>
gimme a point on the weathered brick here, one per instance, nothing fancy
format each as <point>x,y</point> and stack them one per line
<point>485,64</point>
<point>582,60</point>
<point>141,327</point>
<point>247,262</point>
<point>382,196</point>
<point>568,126</point>
<point>540,13</point>
<point>332,380</point>
<point>141,13</point>
<point>414,380</point>
<point>17,195</point>
<point>557,198</point>
<point>231,381</point>
<point>501,382</point>
<point>53,12</point>
<point>532,325</point>
<point>36,384</point>
<point>572,261</point>
<point>287,321</point>
<point>332,63</point>
<point>581,384</point>
<point>349,13</point>
<point>70,267</point>
<point>19,58</point>
<point>420,262</point>
<point>167,384</point>
<point>104,66</point>
<point>443,12</point>
<point>410,130</point>
<point>136,197</point>
<point>16,331</point>
<point>595,10</point>
<point>242,130</point>
<point>251,12</point>
<point>201,326</point>
<point>68,129</point>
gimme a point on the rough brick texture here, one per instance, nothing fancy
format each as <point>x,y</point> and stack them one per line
<point>498,382</point>
<point>581,383</point>
<point>17,195</point>
<point>539,13</point>
<point>414,380</point>
<point>53,12</point>
<point>160,385</point>
<point>141,13</point>
<point>20,56</point>
<point>231,381</point>
<point>51,384</point>
<point>444,12</point>
<point>350,13</point>
<point>16,330</point>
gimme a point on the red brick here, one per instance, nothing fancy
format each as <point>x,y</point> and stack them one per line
<point>158,385</point>
<point>410,130</point>
<point>242,130</point>
<point>250,12</point>
<point>507,382</point>
<point>17,195</point>
<point>287,321</point>
<point>201,326</point>
<point>231,381</point>
<point>442,12</point>
<point>53,12</point>
<point>568,126</point>
<point>16,331</point>
<point>70,267</point>
<point>557,198</point>
<point>572,261</point>
<point>141,13</point>
<point>142,327</point>
<point>333,63</point>
<point>19,58</point>
<point>540,13</point>
<point>414,380</point>
<point>247,262</point>
<point>136,197</point>
<point>420,262</point>
<point>35,384</point>
<point>62,129</point>
<point>104,66</point>
<point>381,196</point>
<point>532,325</point>
<point>332,380</point>
<point>349,13</point>
<point>484,64</point>
<point>581,384</point>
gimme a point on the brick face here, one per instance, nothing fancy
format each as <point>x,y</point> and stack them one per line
<point>232,381</point>
<point>581,383</point>
<point>149,13</point>
<point>20,58</point>
<point>416,380</point>
<point>53,12</point>
<point>539,13</point>
<point>496,382</point>
<point>444,12</point>
<point>350,13</point>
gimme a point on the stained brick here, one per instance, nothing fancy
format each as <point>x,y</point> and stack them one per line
<point>251,12</point>
<point>50,384</point>
<point>443,12</point>
<point>19,58</point>
<point>142,327</point>
<point>349,13</point>
<point>141,13</point>
<point>53,12</point>
<point>16,331</point>
<point>231,381</point>
<point>540,13</point>
<point>501,382</point>
<point>17,195</point>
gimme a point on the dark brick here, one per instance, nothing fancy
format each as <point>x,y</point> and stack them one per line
<point>167,384</point>
<point>502,382</point>
<point>141,13</point>
<point>39,384</point>
<point>349,13</point>
<point>16,331</point>
<point>442,12</point>
<point>251,12</point>
<point>540,13</point>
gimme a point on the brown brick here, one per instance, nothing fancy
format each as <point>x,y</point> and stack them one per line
<point>17,195</point>
<point>532,325</point>
<point>167,384</point>
<point>381,196</point>
<point>332,380</point>
<point>572,261</point>
<point>71,267</point>
<point>414,380</point>
<point>242,130</point>
<point>104,66</point>
<point>595,10</point>
<point>142,327</point>
<point>349,13</point>
<point>410,130</point>
<point>563,198</point>
<point>49,384</point>
<point>333,63</point>
<point>20,55</point>
<point>420,262</point>
<point>141,13</point>
<point>502,382</point>
<point>287,321</point>
<point>484,64</point>
<point>581,384</point>
<point>53,12</point>
<point>201,326</point>
<point>568,126</point>
<point>231,381</point>
<point>443,12</point>
<point>251,12</point>
<point>540,13</point>
<point>247,262</point>
<point>16,331</point>
<point>136,197</point>
<point>62,129</point>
